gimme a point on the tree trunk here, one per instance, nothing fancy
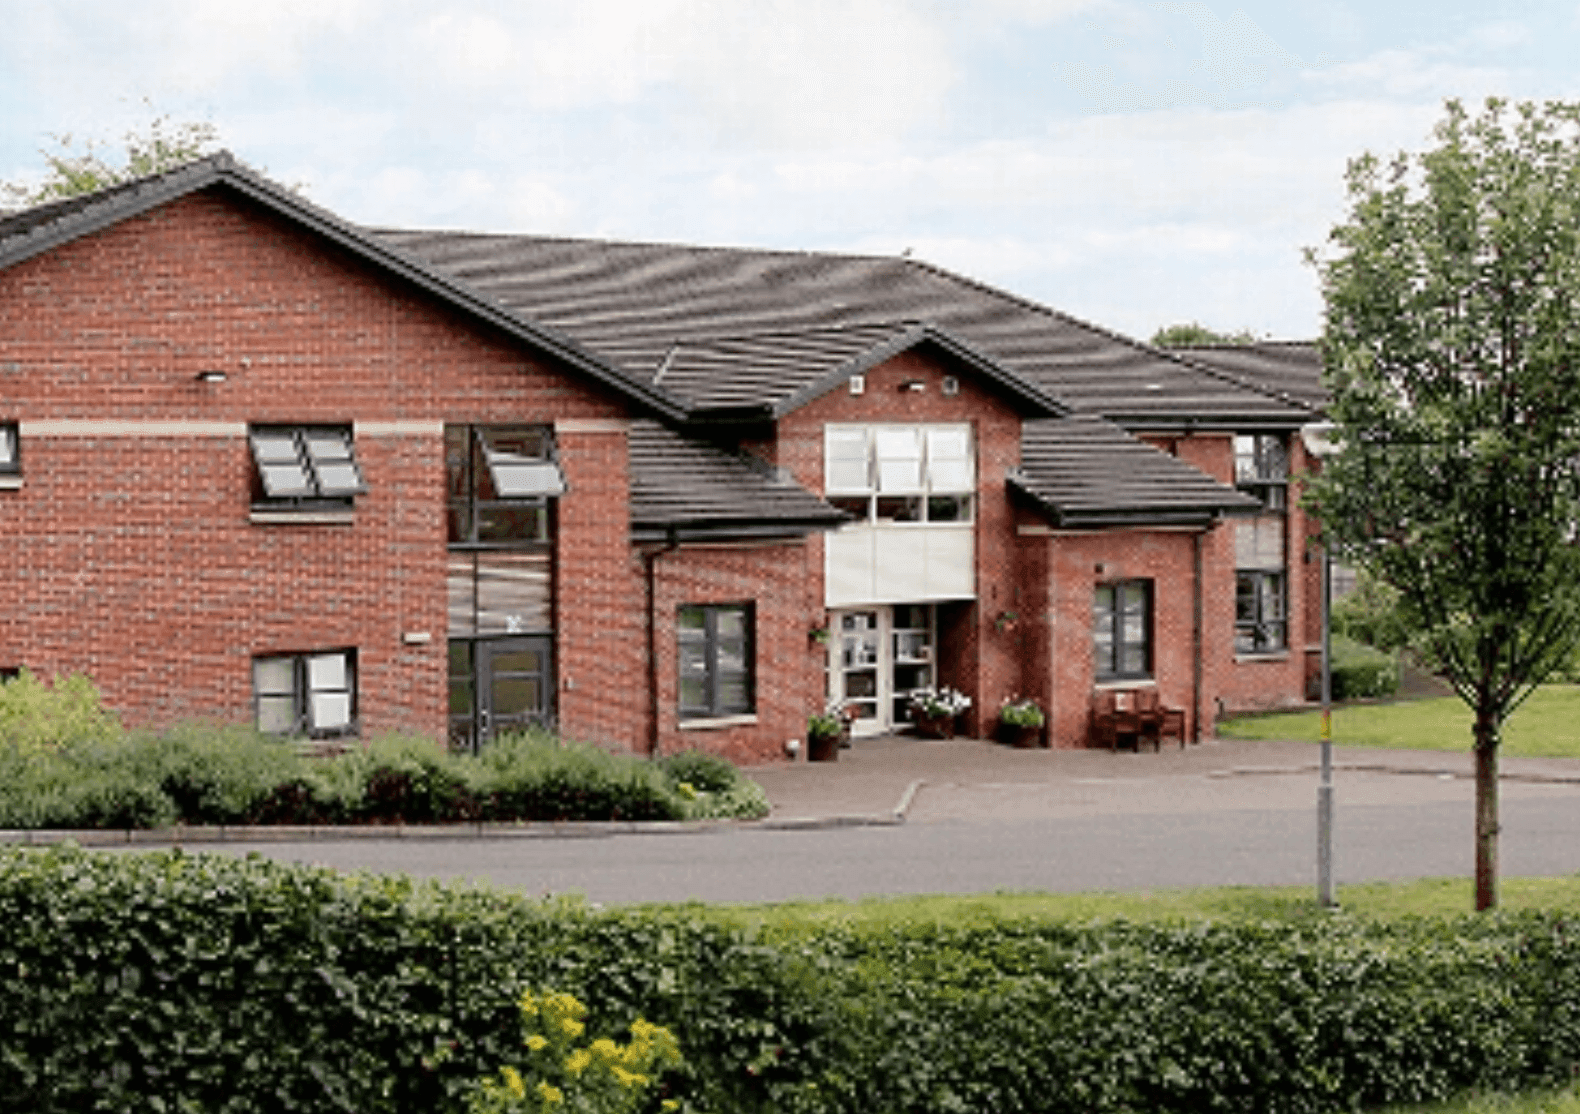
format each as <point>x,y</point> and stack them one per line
<point>1486,813</point>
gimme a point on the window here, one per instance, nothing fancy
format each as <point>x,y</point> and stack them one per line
<point>1259,612</point>
<point>306,466</point>
<point>715,660</point>
<point>900,473</point>
<point>10,455</point>
<point>305,694</point>
<point>500,480</point>
<point>1122,630</point>
<point>1261,469</point>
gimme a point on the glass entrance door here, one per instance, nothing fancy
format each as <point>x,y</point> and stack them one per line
<point>499,685</point>
<point>877,659</point>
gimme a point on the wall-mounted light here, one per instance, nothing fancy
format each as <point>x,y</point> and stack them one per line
<point>210,375</point>
<point>914,385</point>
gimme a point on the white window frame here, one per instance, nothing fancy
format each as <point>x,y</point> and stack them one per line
<point>925,463</point>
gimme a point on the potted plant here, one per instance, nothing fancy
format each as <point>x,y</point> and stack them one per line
<point>1020,722</point>
<point>934,711</point>
<point>824,733</point>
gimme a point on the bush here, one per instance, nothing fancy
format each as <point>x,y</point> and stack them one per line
<point>1360,671</point>
<point>1371,614</point>
<point>706,773</point>
<point>36,717</point>
<point>184,982</point>
<point>532,776</point>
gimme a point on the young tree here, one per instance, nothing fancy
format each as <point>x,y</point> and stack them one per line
<point>1452,350</point>
<point>162,146</point>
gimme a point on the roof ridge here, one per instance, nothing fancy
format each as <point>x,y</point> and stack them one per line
<point>1103,330</point>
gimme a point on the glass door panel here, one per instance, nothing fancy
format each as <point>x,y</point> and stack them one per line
<point>860,645</point>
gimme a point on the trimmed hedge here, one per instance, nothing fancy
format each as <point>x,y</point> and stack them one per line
<point>176,982</point>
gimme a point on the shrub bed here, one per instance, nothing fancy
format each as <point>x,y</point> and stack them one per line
<point>180,982</point>
<point>209,775</point>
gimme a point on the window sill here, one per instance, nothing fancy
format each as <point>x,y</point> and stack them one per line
<point>713,723</point>
<point>1270,655</point>
<point>301,518</point>
<point>10,483</point>
<point>1126,683</point>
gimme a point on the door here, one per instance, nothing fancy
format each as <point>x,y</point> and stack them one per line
<point>499,685</point>
<point>877,658</point>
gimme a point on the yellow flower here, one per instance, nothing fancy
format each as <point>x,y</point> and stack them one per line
<point>577,1061</point>
<point>513,1082</point>
<point>537,1042</point>
<point>627,1078</point>
<point>529,1004</point>
<point>551,1094</point>
<point>669,1105</point>
<point>571,1027</point>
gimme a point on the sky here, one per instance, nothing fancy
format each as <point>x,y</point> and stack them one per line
<point>1133,163</point>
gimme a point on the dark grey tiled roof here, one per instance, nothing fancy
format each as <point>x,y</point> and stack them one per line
<point>771,374</point>
<point>1290,367</point>
<point>698,490</point>
<point>1086,472</point>
<point>634,303</point>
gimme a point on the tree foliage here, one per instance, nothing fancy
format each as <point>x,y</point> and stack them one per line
<point>1185,335</point>
<point>1452,351</point>
<point>74,170</point>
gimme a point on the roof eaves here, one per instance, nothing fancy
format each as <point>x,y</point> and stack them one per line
<point>1044,405</point>
<point>1089,518</point>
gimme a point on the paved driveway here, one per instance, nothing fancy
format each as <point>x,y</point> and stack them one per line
<point>979,818</point>
<point>973,780</point>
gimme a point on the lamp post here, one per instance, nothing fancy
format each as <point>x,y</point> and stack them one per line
<point>1318,439</point>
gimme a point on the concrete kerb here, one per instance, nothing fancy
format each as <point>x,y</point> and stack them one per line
<point>1388,768</point>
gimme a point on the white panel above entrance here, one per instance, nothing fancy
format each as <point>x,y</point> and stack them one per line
<point>909,563</point>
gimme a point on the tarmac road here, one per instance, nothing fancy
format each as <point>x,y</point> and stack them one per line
<point>979,818</point>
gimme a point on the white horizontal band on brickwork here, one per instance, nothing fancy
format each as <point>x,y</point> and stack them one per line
<point>97,427</point>
<point>592,425</point>
<point>398,429</point>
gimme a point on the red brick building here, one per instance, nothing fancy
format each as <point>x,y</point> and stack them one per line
<point>259,464</point>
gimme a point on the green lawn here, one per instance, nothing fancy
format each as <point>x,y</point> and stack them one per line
<point>1546,726</point>
<point>1379,900</point>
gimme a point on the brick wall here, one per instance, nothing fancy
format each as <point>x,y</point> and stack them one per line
<point>778,580</point>
<point>130,551</point>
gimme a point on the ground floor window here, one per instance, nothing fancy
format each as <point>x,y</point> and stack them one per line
<point>715,643</point>
<point>1260,614</point>
<point>305,694</point>
<point>1122,630</point>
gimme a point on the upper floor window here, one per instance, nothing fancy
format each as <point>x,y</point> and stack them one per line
<point>1122,630</point>
<point>1261,467</point>
<point>10,453</point>
<point>306,466</point>
<point>900,473</point>
<point>500,480</point>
